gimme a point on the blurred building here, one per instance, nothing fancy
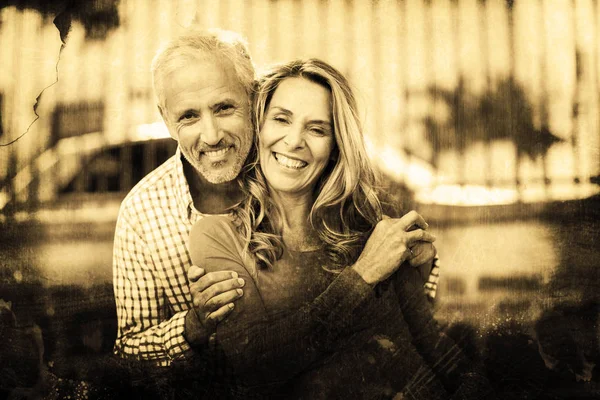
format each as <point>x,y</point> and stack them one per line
<point>467,102</point>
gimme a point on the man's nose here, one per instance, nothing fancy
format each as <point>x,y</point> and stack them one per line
<point>294,138</point>
<point>211,133</point>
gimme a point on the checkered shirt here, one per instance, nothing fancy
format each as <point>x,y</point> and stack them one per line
<point>430,287</point>
<point>150,264</point>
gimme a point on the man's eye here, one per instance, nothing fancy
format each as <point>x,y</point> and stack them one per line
<point>225,109</point>
<point>187,116</point>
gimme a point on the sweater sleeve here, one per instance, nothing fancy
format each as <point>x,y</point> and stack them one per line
<point>266,351</point>
<point>215,245</point>
<point>460,375</point>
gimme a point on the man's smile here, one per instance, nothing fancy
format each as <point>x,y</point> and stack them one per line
<point>217,154</point>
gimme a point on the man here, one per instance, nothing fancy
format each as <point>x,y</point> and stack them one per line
<point>203,84</point>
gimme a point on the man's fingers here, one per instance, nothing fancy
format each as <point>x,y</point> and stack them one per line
<point>422,257</point>
<point>222,299</point>
<point>214,290</point>
<point>221,313</point>
<point>425,248</point>
<point>415,251</point>
<point>223,287</point>
<point>419,259</point>
<point>194,273</point>
<point>213,278</point>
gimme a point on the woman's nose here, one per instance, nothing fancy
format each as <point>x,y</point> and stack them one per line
<point>210,134</point>
<point>294,138</point>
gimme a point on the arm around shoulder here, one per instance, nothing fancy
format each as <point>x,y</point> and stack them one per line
<point>143,333</point>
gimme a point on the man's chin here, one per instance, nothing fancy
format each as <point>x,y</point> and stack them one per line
<point>219,175</point>
<point>214,173</point>
<point>217,179</point>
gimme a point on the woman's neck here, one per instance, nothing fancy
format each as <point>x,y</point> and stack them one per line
<point>298,234</point>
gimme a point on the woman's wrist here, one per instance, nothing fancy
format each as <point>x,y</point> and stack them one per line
<point>365,272</point>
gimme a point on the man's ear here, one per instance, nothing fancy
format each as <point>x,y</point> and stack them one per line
<point>162,113</point>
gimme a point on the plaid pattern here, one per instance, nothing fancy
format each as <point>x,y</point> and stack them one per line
<point>150,263</point>
<point>430,287</point>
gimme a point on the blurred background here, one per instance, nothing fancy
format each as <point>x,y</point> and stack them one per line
<point>484,115</point>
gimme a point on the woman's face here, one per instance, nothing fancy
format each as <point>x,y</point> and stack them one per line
<point>296,140</point>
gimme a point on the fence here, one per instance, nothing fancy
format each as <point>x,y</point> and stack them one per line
<point>496,96</point>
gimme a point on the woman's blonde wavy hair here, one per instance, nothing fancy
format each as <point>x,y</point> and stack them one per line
<point>346,207</point>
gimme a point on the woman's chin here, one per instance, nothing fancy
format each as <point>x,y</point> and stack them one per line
<point>289,189</point>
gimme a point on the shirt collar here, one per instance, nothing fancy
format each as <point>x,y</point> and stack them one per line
<point>182,188</point>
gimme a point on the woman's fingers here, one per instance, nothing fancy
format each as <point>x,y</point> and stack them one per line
<point>419,235</point>
<point>411,219</point>
<point>389,246</point>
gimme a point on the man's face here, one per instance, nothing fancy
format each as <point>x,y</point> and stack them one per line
<point>207,111</point>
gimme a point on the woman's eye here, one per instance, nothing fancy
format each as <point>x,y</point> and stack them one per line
<point>318,131</point>
<point>280,120</point>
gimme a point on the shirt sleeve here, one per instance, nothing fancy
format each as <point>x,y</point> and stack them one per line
<point>267,351</point>
<point>145,332</point>
<point>430,287</point>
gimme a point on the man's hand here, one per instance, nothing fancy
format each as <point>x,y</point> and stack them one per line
<point>422,255</point>
<point>213,295</point>
<point>389,245</point>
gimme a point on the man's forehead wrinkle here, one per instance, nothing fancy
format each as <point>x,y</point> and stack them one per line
<point>205,97</point>
<point>201,84</point>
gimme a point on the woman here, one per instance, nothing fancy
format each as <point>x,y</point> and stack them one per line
<point>311,322</point>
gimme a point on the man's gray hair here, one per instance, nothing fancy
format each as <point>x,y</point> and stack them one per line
<point>195,44</point>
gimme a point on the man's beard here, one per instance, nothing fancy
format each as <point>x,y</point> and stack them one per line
<point>220,176</point>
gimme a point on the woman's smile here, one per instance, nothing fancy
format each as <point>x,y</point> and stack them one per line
<point>289,162</point>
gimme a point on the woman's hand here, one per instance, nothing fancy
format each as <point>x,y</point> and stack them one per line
<point>390,245</point>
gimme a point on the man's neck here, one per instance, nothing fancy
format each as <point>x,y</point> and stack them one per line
<point>211,198</point>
